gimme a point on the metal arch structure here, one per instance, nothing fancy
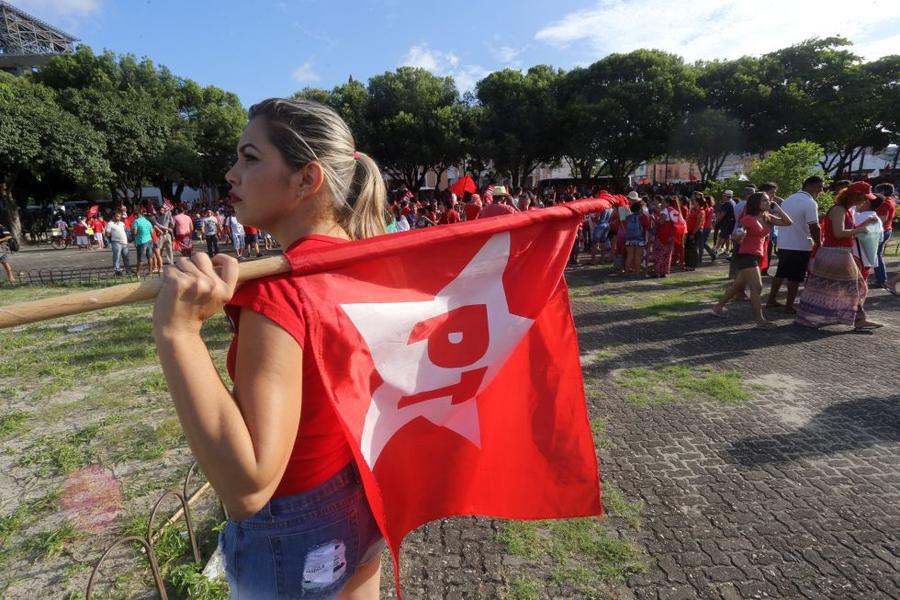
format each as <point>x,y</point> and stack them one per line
<point>27,42</point>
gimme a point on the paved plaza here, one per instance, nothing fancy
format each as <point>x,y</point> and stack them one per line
<point>794,493</point>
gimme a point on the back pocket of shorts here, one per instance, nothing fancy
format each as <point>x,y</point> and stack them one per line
<point>317,562</point>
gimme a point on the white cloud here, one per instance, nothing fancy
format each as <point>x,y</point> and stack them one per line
<point>706,29</point>
<point>58,8</point>
<point>871,50</point>
<point>305,73</point>
<point>506,54</point>
<point>444,64</point>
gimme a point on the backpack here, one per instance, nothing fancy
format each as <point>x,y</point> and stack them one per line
<point>634,231</point>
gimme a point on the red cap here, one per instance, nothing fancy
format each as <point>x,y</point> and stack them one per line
<point>861,187</point>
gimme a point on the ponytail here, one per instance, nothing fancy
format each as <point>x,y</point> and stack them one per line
<point>366,213</point>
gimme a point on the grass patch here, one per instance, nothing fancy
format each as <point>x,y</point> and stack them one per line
<point>61,454</point>
<point>525,587</point>
<point>581,552</point>
<point>615,504</point>
<point>13,422</point>
<point>665,302</point>
<point>670,384</point>
<point>50,543</point>
<point>598,428</point>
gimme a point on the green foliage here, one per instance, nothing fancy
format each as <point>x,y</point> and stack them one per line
<point>517,122</point>
<point>707,137</point>
<point>190,582</point>
<point>675,383</point>
<point>12,422</point>
<point>788,166</point>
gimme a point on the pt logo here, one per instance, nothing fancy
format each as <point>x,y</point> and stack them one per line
<point>436,356</point>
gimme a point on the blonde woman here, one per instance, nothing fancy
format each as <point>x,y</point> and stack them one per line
<point>272,446</point>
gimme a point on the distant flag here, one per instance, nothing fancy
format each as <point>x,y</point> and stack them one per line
<point>166,205</point>
<point>488,194</point>
<point>93,211</point>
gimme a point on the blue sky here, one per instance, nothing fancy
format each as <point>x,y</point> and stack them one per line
<point>266,48</point>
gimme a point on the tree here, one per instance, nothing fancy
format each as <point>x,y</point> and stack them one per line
<point>38,139</point>
<point>788,166</point>
<point>517,125</point>
<point>707,136</point>
<point>637,99</point>
<point>411,122</point>
<point>577,117</point>
<point>832,99</point>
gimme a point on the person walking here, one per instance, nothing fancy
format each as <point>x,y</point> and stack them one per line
<point>142,230</point>
<point>163,224</point>
<point>5,251</point>
<point>211,229</point>
<point>796,242</point>
<point>118,240</point>
<point>755,226</point>
<point>886,213</point>
<point>835,291</point>
<point>183,226</point>
<point>273,447</point>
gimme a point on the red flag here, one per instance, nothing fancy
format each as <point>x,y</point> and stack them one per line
<point>466,184</point>
<point>457,379</point>
<point>93,211</point>
<point>166,206</point>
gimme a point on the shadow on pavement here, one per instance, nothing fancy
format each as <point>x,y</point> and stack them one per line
<point>840,427</point>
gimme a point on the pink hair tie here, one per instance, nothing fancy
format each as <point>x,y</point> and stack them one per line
<point>356,155</point>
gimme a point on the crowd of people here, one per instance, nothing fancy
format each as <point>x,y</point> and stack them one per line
<point>157,231</point>
<point>834,253</point>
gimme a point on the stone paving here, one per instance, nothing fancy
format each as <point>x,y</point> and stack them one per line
<point>794,494</point>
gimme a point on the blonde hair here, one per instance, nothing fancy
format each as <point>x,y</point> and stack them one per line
<point>305,131</point>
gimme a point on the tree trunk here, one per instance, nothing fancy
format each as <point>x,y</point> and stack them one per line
<point>176,197</point>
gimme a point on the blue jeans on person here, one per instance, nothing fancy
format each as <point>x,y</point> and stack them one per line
<point>880,269</point>
<point>302,546</point>
<point>119,255</point>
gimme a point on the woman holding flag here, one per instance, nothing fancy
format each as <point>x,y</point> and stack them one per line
<point>273,447</point>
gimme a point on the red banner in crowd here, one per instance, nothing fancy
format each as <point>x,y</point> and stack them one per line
<point>457,376</point>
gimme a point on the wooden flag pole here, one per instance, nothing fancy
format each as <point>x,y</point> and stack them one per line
<point>81,302</point>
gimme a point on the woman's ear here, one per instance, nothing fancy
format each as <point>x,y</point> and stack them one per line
<point>308,180</point>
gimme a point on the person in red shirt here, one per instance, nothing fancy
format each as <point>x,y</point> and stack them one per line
<point>500,205</point>
<point>886,213</point>
<point>693,242</point>
<point>473,207</point>
<point>757,225</point>
<point>450,214</point>
<point>81,237</point>
<point>273,447</point>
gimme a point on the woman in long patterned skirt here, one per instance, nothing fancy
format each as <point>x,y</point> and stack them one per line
<point>835,290</point>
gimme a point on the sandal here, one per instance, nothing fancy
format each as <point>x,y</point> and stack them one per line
<point>766,325</point>
<point>892,290</point>
<point>868,326</point>
<point>722,314</point>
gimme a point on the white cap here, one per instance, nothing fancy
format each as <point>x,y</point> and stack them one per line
<point>634,196</point>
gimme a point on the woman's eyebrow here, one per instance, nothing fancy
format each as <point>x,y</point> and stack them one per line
<point>248,145</point>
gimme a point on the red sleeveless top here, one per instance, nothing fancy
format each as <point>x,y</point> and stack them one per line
<point>321,448</point>
<point>828,239</point>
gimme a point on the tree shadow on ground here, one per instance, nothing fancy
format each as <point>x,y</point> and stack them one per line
<point>838,428</point>
<point>701,338</point>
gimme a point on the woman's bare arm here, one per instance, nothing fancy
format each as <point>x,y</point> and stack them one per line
<point>242,441</point>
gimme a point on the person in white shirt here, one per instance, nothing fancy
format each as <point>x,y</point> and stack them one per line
<point>118,239</point>
<point>237,234</point>
<point>796,241</point>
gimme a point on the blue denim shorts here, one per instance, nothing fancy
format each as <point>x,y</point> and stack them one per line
<point>302,546</point>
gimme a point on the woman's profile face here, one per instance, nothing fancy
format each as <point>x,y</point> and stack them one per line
<point>261,182</point>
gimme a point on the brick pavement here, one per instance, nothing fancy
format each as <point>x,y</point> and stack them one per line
<point>794,494</point>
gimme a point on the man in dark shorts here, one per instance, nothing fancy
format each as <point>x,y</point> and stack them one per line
<point>796,242</point>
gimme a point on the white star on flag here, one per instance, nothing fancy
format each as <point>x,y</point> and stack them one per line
<point>406,338</point>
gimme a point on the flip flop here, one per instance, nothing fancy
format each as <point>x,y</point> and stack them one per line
<point>766,325</point>
<point>721,315</point>
<point>892,290</point>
